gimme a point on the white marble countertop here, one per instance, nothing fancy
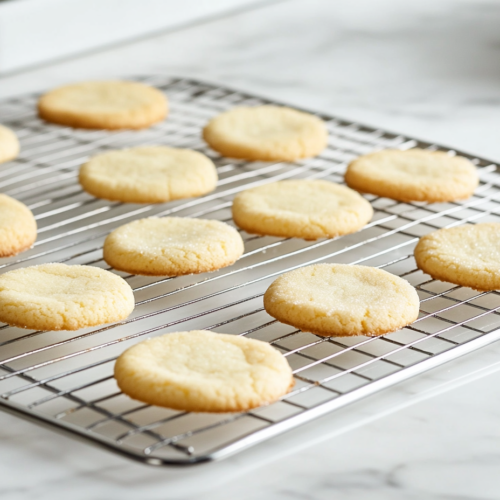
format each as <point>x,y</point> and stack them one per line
<point>429,69</point>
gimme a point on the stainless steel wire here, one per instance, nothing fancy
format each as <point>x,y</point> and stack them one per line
<point>64,379</point>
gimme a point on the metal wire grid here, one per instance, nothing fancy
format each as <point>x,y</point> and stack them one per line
<point>65,378</point>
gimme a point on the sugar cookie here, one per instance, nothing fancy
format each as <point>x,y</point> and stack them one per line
<point>104,104</point>
<point>9,144</point>
<point>17,227</point>
<point>336,300</point>
<point>172,246</point>
<point>466,255</point>
<point>308,209</point>
<point>203,371</point>
<point>62,297</point>
<point>268,133</point>
<point>148,174</point>
<point>413,175</point>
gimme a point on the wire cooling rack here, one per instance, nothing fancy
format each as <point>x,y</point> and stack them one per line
<point>65,378</point>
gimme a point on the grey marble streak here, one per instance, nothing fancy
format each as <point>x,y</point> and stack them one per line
<point>429,68</point>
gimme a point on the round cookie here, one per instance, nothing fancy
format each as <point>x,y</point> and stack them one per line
<point>203,371</point>
<point>413,175</point>
<point>267,133</point>
<point>172,246</point>
<point>466,255</point>
<point>17,227</point>
<point>308,209</point>
<point>9,144</point>
<point>148,174</point>
<point>62,297</point>
<point>338,300</point>
<point>104,105</point>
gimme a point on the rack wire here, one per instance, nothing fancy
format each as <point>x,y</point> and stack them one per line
<point>64,379</point>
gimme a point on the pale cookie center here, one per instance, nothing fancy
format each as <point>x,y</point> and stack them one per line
<point>48,285</point>
<point>304,203</point>
<point>106,100</point>
<point>412,169</point>
<point>8,216</point>
<point>270,131</point>
<point>485,249</point>
<point>415,168</point>
<point>335,292</point>
<point>213,360</point>
<point>139,168</point>
<point>344,291</point>
<point>171,237</point>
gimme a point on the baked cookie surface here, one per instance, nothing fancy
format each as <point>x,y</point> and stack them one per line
<point>62,297</point>
<point>17,227</point>
<point>110,105</point>
<point>148,174</point>
<point>9,144</point>
<point>267,133</point>
<point>172,246</point>
<point>336,300</point>
<point>203,371</point>
<point>308,209</point>
<point>466,255</point>
<point>413,175</point>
